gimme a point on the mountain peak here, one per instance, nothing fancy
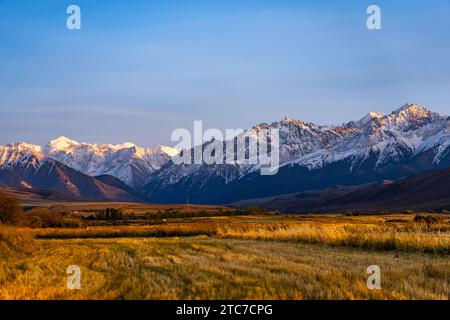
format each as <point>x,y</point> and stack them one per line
<point>295,122</point>
<point>371,116</point>
<point>62,143</point>
<point>413,109</point>
<point>23,146</point>
<point>411,113</point>
<point>168,150</point>
<point>125,145</point>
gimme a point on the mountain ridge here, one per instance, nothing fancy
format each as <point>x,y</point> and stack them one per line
<point>379,146</point>
<point>49,174</point>
<point>425,191</point>
<point>127,161</point>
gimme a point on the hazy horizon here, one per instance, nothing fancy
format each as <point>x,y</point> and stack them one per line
<point>137,71</point>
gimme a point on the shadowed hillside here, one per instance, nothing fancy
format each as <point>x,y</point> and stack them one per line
<point>428,191</point>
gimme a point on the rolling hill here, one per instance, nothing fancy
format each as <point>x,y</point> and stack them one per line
<point>427,191</point>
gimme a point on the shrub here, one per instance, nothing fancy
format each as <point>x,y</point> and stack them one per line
<point>428,219</point>
<point>35,221</point>
<point>10,210</point>
<point>45,219</point>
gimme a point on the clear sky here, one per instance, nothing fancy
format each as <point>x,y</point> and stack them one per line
<point>137,70</point>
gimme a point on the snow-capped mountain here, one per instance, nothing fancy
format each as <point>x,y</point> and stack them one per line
<point>19,153</point>
<point>25,166</point>
<point>127,162</point>
<point>379,146</point>
<point>405,132</point>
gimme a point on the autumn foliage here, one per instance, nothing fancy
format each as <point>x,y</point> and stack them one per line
<point>10,210</point>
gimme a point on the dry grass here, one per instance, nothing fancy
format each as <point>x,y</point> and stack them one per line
<point>297,257</point>
<point>13,241</point>
<point>169,230</point>
<point>194,268</point>
<point>361,233</point>
<point>420,238</point>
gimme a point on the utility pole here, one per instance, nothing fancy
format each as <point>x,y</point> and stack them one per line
<point>187,199</point>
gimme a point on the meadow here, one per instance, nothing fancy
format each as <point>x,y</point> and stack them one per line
<point>230,256</point>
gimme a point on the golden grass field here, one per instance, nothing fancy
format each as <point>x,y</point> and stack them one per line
<point>231,257</point>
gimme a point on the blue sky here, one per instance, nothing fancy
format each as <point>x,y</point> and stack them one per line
<point>137,70</point>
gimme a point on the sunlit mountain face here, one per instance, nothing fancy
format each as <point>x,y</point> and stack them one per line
<point>377,147</point>
<point>380,146</point>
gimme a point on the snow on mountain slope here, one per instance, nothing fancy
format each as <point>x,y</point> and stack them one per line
<point>127,162</point>
<point>407,140</point>
<point>406,131</point>
<point>19,153</point>
<point>375,142</point>
<point>49,174</point>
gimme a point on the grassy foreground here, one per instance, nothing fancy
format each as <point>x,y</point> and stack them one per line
<point>230,258</point>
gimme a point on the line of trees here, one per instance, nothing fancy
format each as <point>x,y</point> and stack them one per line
<point>107,214</point>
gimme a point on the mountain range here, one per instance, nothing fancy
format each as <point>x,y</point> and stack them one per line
<point>378,147</point>
<point>81,170</point>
